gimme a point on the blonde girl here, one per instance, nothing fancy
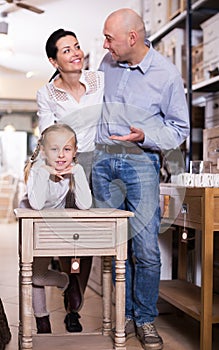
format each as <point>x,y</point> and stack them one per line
<point>50,174</point>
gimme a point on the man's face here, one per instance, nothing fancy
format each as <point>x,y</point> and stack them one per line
<point>116,41</point>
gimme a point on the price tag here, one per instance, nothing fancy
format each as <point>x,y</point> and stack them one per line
<point>75,265</point>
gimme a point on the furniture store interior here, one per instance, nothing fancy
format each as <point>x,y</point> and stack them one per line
<point>185,33</point>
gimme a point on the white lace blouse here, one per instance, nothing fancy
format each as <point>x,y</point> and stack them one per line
<point>57,106</point>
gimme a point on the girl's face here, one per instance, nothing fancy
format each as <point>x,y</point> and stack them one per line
<point>70,57</point>
<point>59,149</point>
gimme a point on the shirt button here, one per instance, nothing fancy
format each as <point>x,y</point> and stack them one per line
<point>128,69</point>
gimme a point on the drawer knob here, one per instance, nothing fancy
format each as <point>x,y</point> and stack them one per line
<point>75,236</point>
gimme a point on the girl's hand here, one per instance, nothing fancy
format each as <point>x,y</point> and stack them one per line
<point>58,173</point>
<point>65,171</point>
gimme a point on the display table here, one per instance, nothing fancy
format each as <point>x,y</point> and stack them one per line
<point>69,232</point>
<point>202,213</point>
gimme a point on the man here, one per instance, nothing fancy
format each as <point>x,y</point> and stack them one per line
<point>144,114</point>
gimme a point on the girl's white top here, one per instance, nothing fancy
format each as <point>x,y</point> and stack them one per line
<point>58,106</point>
<point>42,192</point>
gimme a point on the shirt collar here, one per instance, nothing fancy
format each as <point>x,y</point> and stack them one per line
<point>145,63</point>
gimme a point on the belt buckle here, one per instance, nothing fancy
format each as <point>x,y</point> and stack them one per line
<point>107,149</point>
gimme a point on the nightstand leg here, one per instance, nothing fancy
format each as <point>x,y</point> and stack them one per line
<point>26,305</point>
<point>120,306</point>
<point>107,295</point>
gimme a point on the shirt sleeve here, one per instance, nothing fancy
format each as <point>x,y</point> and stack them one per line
<point>83,197</point>
<point>45,113</point>
<point>173,128</point>
<point>37,186</point>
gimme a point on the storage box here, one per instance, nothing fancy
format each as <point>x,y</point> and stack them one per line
<point>197,73</point>
<point>211,69</point>
<point>212,105</point>
<point>160,14</point>
<point>197,54</point>
<point>210,29</point>
<point>147,15</point>
<point>211,147</point>
<point>211,51</point>
<point>173,44</point>
<point>155,15</point>
<point>175,7</point>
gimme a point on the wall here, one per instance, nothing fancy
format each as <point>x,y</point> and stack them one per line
<point>17,86</point>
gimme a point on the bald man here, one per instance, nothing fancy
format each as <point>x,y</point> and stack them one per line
<point>144,114</point>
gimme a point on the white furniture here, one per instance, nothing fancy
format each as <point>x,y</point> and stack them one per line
<point>69,232</point>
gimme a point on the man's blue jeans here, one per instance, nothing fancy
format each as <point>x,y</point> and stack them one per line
<point>131,182</point>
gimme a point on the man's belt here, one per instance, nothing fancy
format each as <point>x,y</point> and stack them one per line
<point>119,149</point>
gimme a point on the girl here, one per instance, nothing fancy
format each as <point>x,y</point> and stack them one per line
<point>49,175</point>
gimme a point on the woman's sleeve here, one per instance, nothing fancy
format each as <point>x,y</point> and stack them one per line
<point>83,197</point>
<point>45,113</point>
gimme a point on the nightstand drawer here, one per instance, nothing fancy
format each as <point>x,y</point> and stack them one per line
<point>51,233</point>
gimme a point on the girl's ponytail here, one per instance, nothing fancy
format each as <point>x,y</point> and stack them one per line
<point>31,160</point>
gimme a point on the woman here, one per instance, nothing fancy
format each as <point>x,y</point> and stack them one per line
<point>74,97</point>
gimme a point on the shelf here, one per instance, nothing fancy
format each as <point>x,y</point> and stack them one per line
<point>210,85</point>
<point>168,27</point>
<point>187,297</point>
<point>201,11</point>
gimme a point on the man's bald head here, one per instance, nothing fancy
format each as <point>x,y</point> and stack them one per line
<point>127,19</point>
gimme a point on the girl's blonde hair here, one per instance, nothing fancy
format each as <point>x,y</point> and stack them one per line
<point>41,142</point>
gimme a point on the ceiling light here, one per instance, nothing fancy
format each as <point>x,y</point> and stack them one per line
<point>9,128</point>
<point>30,74</point>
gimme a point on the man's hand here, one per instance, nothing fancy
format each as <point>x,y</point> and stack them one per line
<point>136,135</point>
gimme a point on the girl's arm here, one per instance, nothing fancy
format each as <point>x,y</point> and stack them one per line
<point>37,186</point>
<point>83,197</point>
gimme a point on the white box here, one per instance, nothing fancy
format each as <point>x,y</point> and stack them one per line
<point>173,44</point>
<point>210,29</point>
<point>160,10</point>
<point>212,111</point>
<point>147,15</point>
<point>155,15</point>
<point>210,67</point>
<point>211,51</point>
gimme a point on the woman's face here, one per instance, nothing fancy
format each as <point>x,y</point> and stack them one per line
<point>59,149</point>
<point>70,57</point>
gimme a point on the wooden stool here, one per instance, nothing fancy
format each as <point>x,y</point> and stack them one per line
<point>68,232</point>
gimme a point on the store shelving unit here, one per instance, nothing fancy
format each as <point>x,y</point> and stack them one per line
<point>189,19</point>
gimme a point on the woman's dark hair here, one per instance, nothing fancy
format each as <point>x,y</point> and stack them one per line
<point>51,48</point>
